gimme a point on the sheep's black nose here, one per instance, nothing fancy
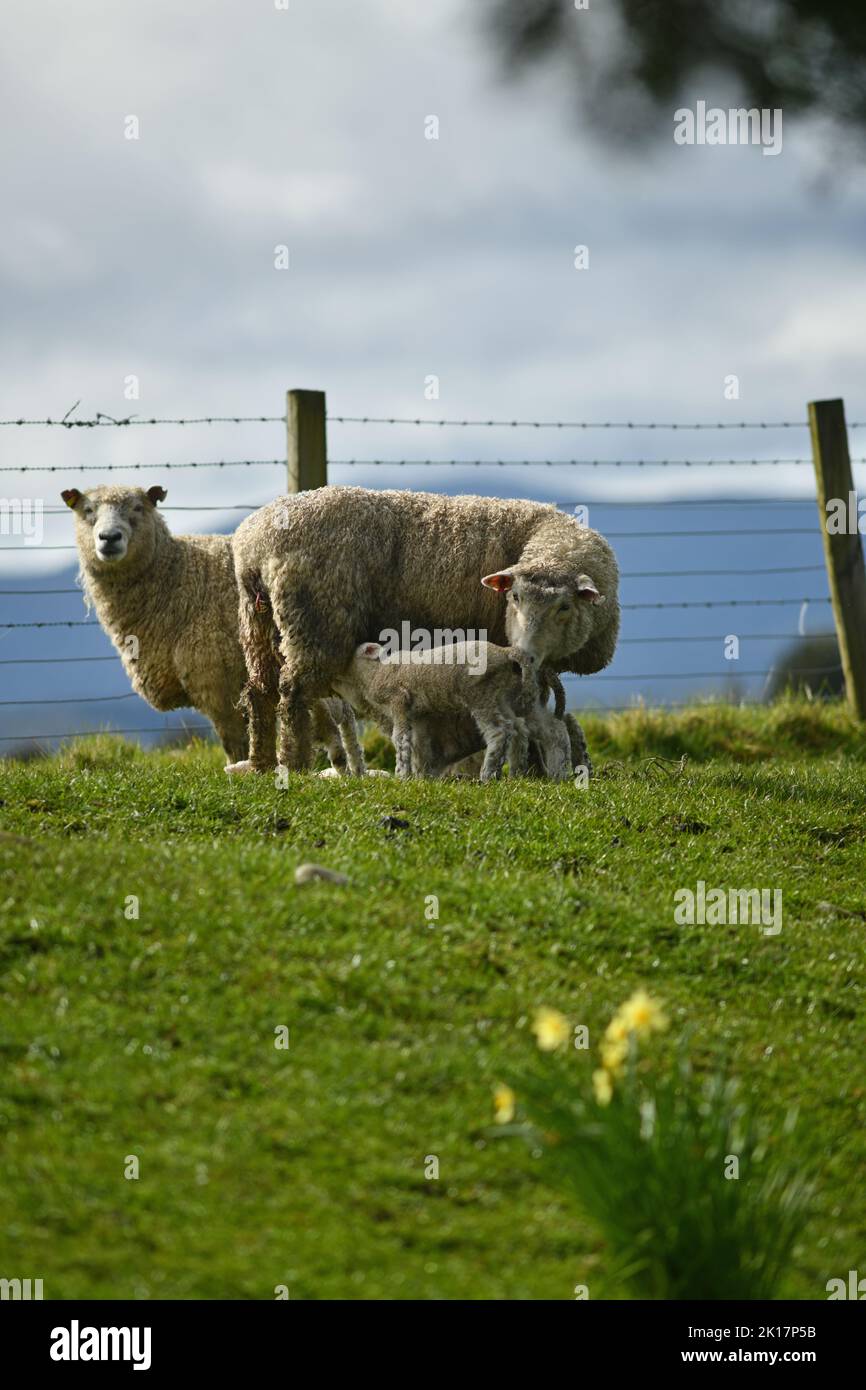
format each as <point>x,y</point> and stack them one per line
<point>110,535</point>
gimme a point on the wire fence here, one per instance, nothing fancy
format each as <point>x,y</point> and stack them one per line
<point>725,676</point>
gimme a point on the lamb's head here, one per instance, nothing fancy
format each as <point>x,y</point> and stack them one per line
<point>115,526</point>
<point>548,616</point>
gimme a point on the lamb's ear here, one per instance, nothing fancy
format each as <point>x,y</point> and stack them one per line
<point>587,591</point>
<point>71,497</point>
<point>156,494</point>
<point>501,582</point>
<point>369,650</point>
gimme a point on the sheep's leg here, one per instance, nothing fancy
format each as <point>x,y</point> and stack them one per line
<point>261,727</point>
<point>258,700</point>
<point>496,734</point>
<point>296,726</point>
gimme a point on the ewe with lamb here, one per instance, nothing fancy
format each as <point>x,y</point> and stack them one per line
<point>331,568</point>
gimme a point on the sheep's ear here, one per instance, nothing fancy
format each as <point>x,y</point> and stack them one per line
<point>156,494</point>
<point>71,496</point>
<point>587,591</point>
<point>370,650</point>
<point>501,582</point>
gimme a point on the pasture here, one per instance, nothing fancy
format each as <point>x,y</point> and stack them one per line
<point>152,1037</point>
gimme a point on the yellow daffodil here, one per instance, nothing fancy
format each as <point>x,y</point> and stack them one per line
<point>614,1054</point>
<point>603,1086</point>
<point>551,1029</point>
<point>617,1029</point>
<point>503,1102</point>
<point>643,1015</point>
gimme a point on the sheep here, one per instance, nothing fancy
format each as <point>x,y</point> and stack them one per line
<point>338,563</point>
<point>557,746</point>
<point>544,611</point>
<point>170,606</point>
<point>495,685</point>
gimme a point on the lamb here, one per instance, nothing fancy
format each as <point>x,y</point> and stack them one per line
<point>338,563</point>
<point>495,685</point>
<point>557,746</point>
<point>170,606</point>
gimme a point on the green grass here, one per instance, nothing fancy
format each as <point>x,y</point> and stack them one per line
<point>258,1167</point>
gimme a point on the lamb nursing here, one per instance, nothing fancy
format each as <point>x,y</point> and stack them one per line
<point>337,565</point>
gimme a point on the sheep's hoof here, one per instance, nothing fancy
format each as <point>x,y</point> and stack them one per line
<point>234,768</point>
<point>329,772</point>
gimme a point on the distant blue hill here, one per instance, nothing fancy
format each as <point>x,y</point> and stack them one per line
<point>653,661</point>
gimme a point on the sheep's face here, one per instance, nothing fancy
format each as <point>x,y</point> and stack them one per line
<point>113,524</point>
<point>547,617</point>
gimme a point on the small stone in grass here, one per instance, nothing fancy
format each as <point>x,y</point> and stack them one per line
<point>306,873</point>
<point>392,823</point>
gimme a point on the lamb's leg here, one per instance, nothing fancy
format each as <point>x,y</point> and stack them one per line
<point>551,679</point>
<point>232,732</point>
<point>496,734</point>
<point>579,751</point>
<point>348,726</point>
<point>518,749</point>
<point>401,735</point>
<point>326,732</point>
<point>423,759</point>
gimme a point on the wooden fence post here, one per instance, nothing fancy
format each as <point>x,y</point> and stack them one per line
<point>843,550</point>
<point>307,440</point>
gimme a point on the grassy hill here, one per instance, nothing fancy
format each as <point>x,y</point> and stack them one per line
<point>153,1037</point>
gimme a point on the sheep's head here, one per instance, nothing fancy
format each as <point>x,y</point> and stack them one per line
<point>547,616</point>
<point>114,525</point>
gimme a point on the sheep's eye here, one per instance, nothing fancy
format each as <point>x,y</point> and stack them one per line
<point>138,507</point>
<point>515,598</point>
<point>88,514</point>
<point>562,609</point>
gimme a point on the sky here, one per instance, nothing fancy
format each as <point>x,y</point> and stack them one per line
<point>409,258</point>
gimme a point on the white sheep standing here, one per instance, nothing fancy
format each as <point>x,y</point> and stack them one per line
<point>496,686</point>
<point>170,606</point>
<point>338,563</point>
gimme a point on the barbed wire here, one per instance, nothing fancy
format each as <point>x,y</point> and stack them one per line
<point>766,532</point>
<point>689,603</point>
<point>74,700</point>
<point>569,463</point>
<point>104,421</point>
<point>170,466</point>
<point>626,676</point>
<point>672,638</point>
<point>582,424</point>
<point>137,467</point>
<point>95,733</point>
